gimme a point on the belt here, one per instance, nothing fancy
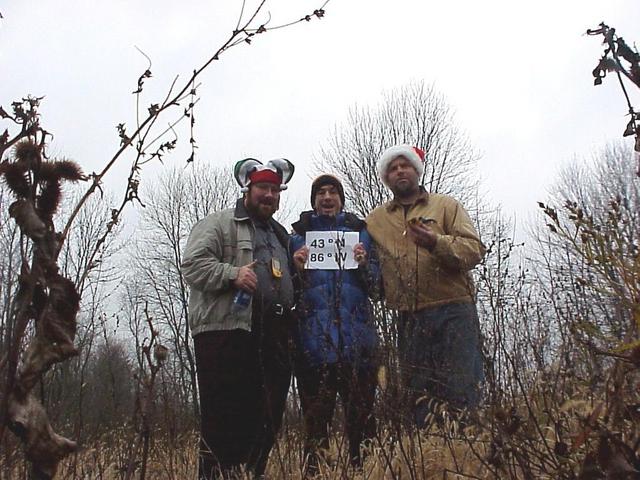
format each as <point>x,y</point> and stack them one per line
<point>274,310</point>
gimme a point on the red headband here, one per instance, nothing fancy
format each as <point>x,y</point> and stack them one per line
<point>265,176</point>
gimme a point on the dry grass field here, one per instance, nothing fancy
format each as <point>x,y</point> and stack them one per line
<point>420,456</point>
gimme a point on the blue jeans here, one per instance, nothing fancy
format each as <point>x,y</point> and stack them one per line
<point>441,357</point>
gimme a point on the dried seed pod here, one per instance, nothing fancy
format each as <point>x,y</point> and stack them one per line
<point>28,153</point>
<point>15,176</point>
<point>49,198</point>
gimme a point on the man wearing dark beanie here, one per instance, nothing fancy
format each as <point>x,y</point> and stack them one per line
<point>323,180</point>
<point>335,336</point>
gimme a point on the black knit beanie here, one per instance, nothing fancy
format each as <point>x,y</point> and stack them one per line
<point>321,181</point>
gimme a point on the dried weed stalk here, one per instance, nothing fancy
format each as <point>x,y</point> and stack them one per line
<point>618,57</point>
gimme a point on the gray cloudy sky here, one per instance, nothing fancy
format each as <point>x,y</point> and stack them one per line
<point>517,73</point>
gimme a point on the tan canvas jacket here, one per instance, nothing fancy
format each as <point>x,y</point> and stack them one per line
<point>414,277</point>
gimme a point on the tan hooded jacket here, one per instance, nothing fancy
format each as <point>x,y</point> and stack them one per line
<point>414,277</point>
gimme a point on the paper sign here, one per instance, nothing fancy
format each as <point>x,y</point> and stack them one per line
<point>331,250</point>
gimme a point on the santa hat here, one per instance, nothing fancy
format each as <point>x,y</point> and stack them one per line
<point>413,154</point>
<point>278,171</point>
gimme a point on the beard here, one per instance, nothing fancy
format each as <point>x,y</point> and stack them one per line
<point>405,188</point>
<point>261,209</point>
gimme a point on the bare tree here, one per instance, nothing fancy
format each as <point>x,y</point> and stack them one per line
<point>415,114</point>
<point>174,203</point>
<point>69,387</point>
<point>9,269</point>
<point>566,341</point>
<point>604,175</point>
<point>601,190</point>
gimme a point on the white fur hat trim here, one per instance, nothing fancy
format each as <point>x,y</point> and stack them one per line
<point>413,154</point>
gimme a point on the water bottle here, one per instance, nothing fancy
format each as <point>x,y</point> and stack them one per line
<point>241,301</point>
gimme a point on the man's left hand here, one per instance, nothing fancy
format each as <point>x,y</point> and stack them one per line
<point>422,235</point>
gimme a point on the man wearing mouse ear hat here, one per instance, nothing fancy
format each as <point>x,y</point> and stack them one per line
<point>237,265</point>
<point>427,246</point>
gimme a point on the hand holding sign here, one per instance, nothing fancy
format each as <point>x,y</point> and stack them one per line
<point>331,250</point>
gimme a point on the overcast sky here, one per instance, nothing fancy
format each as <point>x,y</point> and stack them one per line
<point>518,75</point>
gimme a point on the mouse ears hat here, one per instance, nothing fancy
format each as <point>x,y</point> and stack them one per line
<point>250,170</point>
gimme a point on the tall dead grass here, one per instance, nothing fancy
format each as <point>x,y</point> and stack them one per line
<point>438,452</point>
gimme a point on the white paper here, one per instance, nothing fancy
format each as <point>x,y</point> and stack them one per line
<point>331,250</point>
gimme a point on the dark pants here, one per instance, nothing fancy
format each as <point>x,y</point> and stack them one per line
<point>318,388</point>
<point>440,357</point>
<point>243,378</point>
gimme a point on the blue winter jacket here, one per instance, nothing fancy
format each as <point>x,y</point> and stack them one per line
<point>334,313</point>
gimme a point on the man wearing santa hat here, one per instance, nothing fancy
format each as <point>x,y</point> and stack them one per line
<point>427,246</point>
<point>236,263</point>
